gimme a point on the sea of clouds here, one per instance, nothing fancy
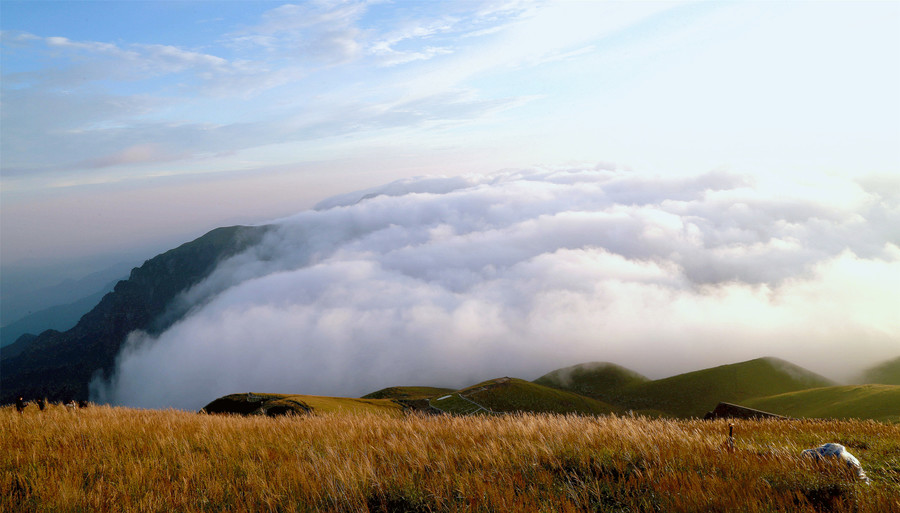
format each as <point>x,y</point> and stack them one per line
<point>450,281</point>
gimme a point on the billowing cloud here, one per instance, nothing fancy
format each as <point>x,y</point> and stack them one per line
<point>446,281</point>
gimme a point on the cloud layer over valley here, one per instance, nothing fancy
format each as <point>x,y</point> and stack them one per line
<point>448,281</point>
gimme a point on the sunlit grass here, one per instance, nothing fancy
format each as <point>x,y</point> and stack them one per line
<point>117,459</point>
<point>880,402</point>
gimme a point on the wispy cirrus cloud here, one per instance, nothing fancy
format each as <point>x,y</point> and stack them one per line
<point>101,102</point>
<point>319,31</point>
<point>136,154</point>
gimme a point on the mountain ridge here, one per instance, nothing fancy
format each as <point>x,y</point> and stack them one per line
<point>60,365</point>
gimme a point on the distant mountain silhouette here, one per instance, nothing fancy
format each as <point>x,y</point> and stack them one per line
<point>885,373</point>
<point>60,365</point>
<point>59,317</point>
<point>24,293</point>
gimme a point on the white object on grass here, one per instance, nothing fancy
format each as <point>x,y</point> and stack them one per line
<point>837,451</point>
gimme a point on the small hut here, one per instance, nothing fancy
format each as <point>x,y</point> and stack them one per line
<point>734,411</point>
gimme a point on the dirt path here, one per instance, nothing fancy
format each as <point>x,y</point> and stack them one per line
<point>477,409</point>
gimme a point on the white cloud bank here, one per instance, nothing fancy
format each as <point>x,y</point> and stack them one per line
<point>447,281</point>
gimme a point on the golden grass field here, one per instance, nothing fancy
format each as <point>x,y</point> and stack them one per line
<point>118,459</point>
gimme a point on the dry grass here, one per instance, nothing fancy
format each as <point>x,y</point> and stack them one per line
<point>116,459</point>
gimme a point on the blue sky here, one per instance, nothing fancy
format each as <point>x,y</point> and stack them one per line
<point>142,124</point>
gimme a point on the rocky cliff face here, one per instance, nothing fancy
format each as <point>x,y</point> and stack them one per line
<point>60,365</point>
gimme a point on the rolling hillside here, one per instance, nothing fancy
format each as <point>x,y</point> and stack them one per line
<point>281,404</point>
<point>598,380</point>
<point>877,402</point>
<point>409,393</point>
<point>517,395</point>
<point>797,393</point>
<point>694,393</point>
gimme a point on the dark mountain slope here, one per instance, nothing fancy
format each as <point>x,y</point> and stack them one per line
<point>60,366</point>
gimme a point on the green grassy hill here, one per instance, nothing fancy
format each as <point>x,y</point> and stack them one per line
<point>695,393</point>
<point>514,395</point>
<point>767,384</point>
<point>598,380</point>
<point>877,402</point>
<point>887,373</point>
<point>410,393</point>
<point>282,404</point>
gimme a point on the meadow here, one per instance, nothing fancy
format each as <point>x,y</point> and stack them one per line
<point>117,459</point>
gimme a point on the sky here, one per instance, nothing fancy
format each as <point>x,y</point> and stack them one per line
<point>543,174</point>
<point>143,124</point>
